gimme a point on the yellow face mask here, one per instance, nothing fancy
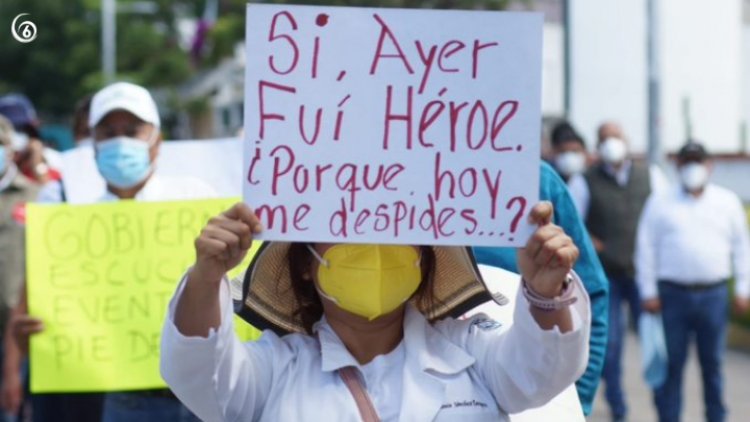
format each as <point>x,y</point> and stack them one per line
<point>368,280</point>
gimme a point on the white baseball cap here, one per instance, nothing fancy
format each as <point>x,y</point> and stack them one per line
<point>127,97</point>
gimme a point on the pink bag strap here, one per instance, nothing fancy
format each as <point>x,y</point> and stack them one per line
<point>350,377</point>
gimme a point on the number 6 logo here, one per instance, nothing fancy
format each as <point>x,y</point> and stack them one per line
<point>27,29</point>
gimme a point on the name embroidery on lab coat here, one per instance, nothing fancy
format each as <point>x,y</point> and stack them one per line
<point>464,403</point>
<point>485,324</point>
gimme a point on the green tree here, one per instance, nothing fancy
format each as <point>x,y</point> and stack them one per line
<point>64,62</point>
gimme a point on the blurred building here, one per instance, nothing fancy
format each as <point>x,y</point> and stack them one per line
<point>746,76</point>
<point>730,171</point>
<point>703,68</point>
<point>703,64</point>
<point>214,100</point>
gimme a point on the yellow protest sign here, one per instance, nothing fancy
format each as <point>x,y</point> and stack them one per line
<point>100,277</point>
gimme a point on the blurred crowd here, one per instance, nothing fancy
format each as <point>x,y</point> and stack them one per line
<point>667,249</point>
<point>123,123</point>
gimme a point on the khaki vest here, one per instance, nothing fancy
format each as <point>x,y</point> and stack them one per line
<point>12,263</point>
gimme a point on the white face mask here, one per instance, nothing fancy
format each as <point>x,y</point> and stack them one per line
<point>694,176</point>
<point>613,150</point>
<point>570,163</point>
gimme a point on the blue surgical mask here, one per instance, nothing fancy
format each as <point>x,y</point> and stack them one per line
<point>123,161</point>
<point>3,159</point>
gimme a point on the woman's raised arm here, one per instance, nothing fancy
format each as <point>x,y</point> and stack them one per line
<point>221,246</point>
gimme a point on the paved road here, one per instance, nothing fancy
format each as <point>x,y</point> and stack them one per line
<point>737,389</point>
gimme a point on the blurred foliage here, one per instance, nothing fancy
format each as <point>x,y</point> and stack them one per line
<point>230,26</point>
<point>745,319</point>
<point>227,30</point>
<point>64,63</point>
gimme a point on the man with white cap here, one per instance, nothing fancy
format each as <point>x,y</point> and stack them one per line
<point>124,123</point>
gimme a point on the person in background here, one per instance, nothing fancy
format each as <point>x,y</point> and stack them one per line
<point>54,190</point>
<point>43,407</point>
<point>124,123</point>
<point>15,191</point>
<point>612,198</point>
<point>552,188</point>
<point>36,161</point>
<point>569,151</point>
<point>78,407</point>
<point>569,157</point>
<point>80,125</point>
<point>691,240</point>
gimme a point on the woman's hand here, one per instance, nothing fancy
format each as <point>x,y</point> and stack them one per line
<point>549,254</point>
<point>224,242</point>
<point>222,245</point>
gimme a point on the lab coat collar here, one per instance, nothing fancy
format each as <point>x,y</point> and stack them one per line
<point>425,347</point>
<point>431,348</point>
<point>333,353</point>
<point>437,358</point>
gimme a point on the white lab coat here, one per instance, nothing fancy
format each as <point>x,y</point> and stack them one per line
<point>566,406</point>
<point>455,369</point>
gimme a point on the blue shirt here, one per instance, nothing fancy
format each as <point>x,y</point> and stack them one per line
<point>553,189</point>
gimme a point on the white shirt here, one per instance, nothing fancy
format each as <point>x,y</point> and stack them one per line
<point>579,189</point>
<point>51,192</point>
<point>158,188</point>
<point>163,188</point>
<point>579,193</point>
<point>453,369</point>
<point>686,239</point>
<point>383,376</point>
<point>7,178</point>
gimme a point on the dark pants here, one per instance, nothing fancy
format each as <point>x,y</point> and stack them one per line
<point>687,314</point>
<point>67,407</point>
<point>145,407</point>
<point>60,407</point>
<point>622,290</point>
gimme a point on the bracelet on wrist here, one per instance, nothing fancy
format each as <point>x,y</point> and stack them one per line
<point>562,301</point>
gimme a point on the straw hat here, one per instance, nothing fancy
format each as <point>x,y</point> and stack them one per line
<point>269,301</point>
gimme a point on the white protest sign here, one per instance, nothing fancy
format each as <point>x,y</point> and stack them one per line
<point>391,125</point>
<point>216,162</point>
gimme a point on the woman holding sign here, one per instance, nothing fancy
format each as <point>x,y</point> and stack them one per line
<point>365,331</point>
